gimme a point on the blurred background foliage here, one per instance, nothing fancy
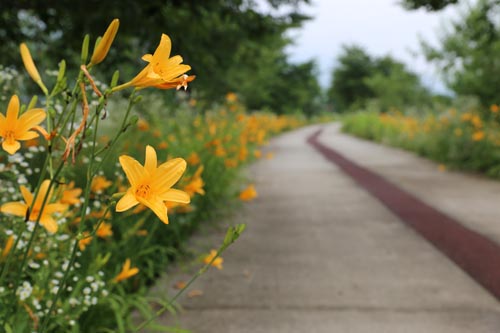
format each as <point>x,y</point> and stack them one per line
<point>240,46</point>
<point>232,45</point>
<point>466,55</point>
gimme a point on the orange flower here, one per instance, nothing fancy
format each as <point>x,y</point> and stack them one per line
<point>151,185</point>
<point>248,194</point>
<point>8,247</point>
<point>44,215</point>
<point>478,136</point>
<point>163,145</point>
<point>494,108</point>
<point>104,230</point>
<point>100,183</point>
<point>196,184</point>
<point>142,125</point>
<point>231,97</point>
<point>104,45</point>
<point>193,159</point>
<point>231,163</point>
<point>15,128</point>
<point>216,263</point>
<point>30,67</point>
<point>86,240</point>
<point>126,272</point>
<point>70,194</point>
<point>163,71</point>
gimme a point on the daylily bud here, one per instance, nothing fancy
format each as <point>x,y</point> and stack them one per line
<point>102,48</point>
<point>30,66</point>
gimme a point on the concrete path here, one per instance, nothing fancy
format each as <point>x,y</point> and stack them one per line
<point>321,255</point>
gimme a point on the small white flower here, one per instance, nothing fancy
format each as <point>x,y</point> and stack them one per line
<point>63,237</point>
<point>87,290</point>
<point>73,302</point>
<point>30,226</point>
<point>34,265</point>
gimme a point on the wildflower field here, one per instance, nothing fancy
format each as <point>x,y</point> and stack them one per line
<point>101,183</point>
<point>466,138</point>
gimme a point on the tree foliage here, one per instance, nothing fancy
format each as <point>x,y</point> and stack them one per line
<point>230,44</point>
<point>467,54</point>
<point>429,5</point>
<point>360,77</point>
<point>348,85</point>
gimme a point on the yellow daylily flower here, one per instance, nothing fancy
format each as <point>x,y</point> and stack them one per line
<point>193,159</point>
<point>7,248</point>
<point>105,230</point>
<point>126,272</point>
<point>15,128</point>
<point>30,66</point>
<point>163,71</point>
<point>216,263</point>
<point>99,184</point>
<point>151,185</point>
<point>196,184</point>
<point>43,214</point>
<point>104,45</point>
<point>70,194</point>
<point>248,194</point>
<point>86,240</point>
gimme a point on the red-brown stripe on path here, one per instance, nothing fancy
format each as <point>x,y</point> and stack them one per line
<point>477,255</point>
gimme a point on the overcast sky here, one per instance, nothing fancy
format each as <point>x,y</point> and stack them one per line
<point>380,26</point>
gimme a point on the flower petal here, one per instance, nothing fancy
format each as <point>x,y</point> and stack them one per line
<point>27,135</point>
<point>157,206</point>
<point>30,119</point>
<point>3,124</point>
<point>11,147</point>
<point>12,110</point>
<point>27,196</point>
<point>48,223</point>
<point>126,202</point>
<point>42,193</point>
<point>175,195</point>
<point>133,169</point>
<point>151,160</point>
<point>54,208</point>
<point>168,174</point>
<point>14,208</point>
<point>162,52</point>
<point>147,57</point>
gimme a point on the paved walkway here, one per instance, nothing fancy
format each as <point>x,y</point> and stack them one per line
<point>322,255</point>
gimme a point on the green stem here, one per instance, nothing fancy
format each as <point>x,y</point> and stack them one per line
<point>179,293</point>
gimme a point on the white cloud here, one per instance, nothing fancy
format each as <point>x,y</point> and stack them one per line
<point>381,26</point>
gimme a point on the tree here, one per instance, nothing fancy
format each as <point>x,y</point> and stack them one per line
<point>348,85</point>
<point>228,43</point>
<point>395,86</point>
<point>468,53</point>
<point>360,78</point>
<point>429,5</point>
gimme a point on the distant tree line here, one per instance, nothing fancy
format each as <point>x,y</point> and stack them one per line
<point>467,54</point>
<point>230,44</point>
<point>359,78</point>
